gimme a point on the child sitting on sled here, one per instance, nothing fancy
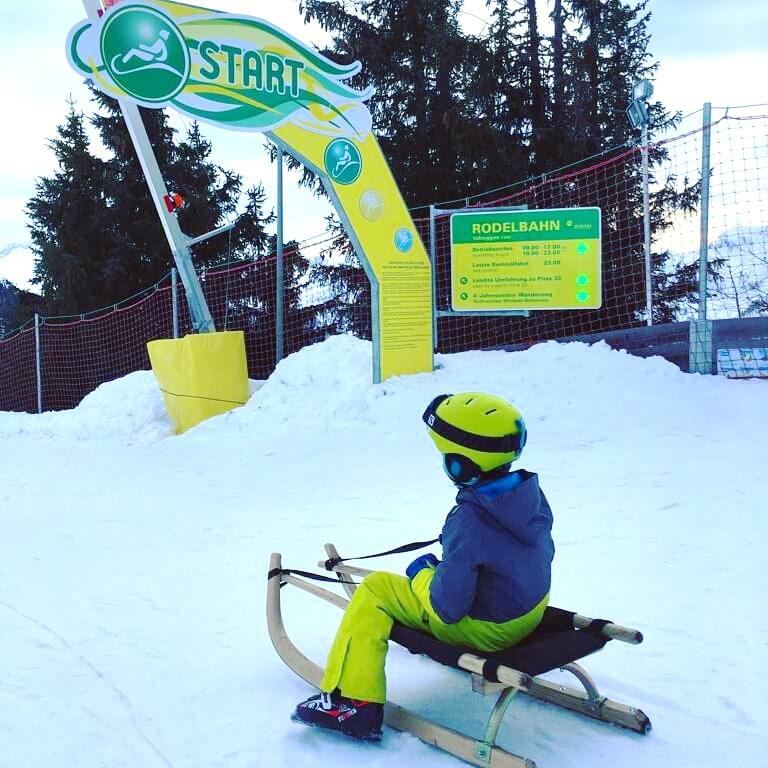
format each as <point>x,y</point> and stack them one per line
<point>489,591</point>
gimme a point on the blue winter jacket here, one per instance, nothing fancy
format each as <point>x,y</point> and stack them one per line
<point>497,551</point>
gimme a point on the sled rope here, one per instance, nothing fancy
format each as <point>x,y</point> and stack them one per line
<point>332,562</point>
<point>306,574</point>
<point>412,547</point>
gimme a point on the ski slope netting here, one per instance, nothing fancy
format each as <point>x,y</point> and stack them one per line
<point>612,186</point>
<point>738,236</point>
<point>79,354</point>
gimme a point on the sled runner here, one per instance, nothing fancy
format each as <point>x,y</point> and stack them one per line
<point>561,639</point>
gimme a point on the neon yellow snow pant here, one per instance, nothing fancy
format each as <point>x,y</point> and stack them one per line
<point>356,660</point>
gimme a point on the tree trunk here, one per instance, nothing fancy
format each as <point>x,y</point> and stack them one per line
<point>558,62</point>
<point>538,117</point>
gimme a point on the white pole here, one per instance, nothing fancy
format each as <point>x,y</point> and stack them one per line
<point>280,267</point>
<point>704,233</point>
<point>433,259</point>
<point>175,301</point>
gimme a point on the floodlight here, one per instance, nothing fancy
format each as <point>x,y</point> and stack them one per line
<point>638,114</point>
<point>642,90</point>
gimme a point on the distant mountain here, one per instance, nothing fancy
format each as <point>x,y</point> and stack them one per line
<point>9,303</point>
<point>16,306</point>
<point>742,287</point>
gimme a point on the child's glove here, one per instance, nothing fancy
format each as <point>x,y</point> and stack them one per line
<point>420,563</point>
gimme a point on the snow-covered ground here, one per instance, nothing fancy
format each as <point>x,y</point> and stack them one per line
<point>133,564</point>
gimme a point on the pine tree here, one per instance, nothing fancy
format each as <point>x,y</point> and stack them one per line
<point>478,113</point>
<point>67,223</point>
<point>603,57</point>
<point>420,63</point>
<point>251,305</point>
<point>348,306</point>
<point>498,101</point>
<point>95,229</point>
<point>211,194</point>
<point>423,69</point>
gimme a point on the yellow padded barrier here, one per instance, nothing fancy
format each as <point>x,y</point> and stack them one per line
<point>201,376</point>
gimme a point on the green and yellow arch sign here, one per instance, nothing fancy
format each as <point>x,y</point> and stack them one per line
<point>245,74</point>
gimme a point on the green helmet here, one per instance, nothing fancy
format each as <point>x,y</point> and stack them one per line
<point>476,433</point>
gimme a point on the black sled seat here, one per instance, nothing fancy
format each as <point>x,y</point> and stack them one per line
<point>554,644</point>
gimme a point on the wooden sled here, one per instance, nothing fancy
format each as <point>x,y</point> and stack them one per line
<point>561,639</point>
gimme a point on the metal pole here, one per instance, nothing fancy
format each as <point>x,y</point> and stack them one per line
<point>433,259</point>
<point>38,367</point>
<point>704,237</point>
<point>175,301</point>
<point>280,278</point>
<point>647,229</point>
<point>209,235</point>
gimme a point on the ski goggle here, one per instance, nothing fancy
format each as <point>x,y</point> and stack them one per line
<point>460,469</point>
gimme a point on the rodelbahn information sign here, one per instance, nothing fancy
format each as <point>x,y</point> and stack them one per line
<point>506,260</point>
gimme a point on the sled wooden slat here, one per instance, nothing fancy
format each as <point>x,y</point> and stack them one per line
<point>327,595</point>
<point>458,744</point>
<point>614,631</point>
<point>343,568</point>
<point>506,675</point>
<point>601,709</point>
<point>348,584</point>
<point>286,650</point>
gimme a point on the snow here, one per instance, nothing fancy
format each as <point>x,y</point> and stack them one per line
<point>128,411</point>
<point>133,563</point>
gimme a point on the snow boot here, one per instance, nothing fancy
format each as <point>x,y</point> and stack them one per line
<point>358,719</point>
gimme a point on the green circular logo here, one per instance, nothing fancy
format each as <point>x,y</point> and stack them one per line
<point>343,161</point>
<point>145,53</point>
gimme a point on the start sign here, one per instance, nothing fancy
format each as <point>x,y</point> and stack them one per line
<point>243,73</point>
<point>505,260</point>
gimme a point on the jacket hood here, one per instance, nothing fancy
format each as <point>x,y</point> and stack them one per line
<point>514,501</point>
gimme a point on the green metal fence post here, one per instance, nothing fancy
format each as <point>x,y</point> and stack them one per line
<point>701,353</point>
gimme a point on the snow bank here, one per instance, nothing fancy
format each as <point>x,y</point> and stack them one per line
<point>129,410</point>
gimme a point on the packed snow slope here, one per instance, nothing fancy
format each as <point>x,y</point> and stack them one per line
<point>133,563</point>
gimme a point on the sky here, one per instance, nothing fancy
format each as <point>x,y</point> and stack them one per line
<point>706,52</point>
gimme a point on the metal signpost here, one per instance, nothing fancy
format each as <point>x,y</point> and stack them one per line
<point>280,267</point>
<point>639,118</point>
